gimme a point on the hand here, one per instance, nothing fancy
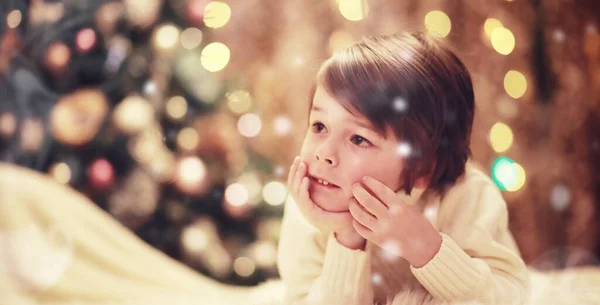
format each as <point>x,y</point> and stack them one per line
<point>338,222</point>
<point>387,221</point>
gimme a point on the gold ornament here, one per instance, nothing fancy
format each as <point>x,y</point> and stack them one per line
<point>58,56</point>
<point>77,117</point>
<point>133,115</point>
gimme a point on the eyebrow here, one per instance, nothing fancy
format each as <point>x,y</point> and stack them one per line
<point>357,122</point>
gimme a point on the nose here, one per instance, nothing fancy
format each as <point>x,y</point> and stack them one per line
<point>326,152</point>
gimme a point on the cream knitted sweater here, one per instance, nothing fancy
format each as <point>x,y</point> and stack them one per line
<point>478,259</point>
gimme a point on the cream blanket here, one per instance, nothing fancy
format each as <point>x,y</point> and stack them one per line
<point>58,247</point>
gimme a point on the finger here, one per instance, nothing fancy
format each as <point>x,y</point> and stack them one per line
<point>381,190</point>
<point>292,172</point>
<point>362,216</point>
<point>369,202</point>
<point>300,173</point>
<point>362,230</point>
<point>305,202</point>
<point>336,219</point>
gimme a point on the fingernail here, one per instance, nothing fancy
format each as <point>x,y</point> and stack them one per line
<point>296,159</point>
<point>366,178</point>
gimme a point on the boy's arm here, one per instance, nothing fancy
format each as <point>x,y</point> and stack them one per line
<point>478,259</point>
<point>316,269</point>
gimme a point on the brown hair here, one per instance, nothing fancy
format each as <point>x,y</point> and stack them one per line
<point>417,86</point>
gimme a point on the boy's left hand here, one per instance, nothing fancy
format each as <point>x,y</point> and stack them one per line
<point>387,221</point>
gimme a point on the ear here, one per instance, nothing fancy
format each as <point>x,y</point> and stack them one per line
<point>423,182</point>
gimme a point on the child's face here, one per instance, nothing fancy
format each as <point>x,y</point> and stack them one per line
<point>342,148</point>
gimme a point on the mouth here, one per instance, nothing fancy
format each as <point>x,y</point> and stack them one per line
<point>322,182</point>
<point>324,186</point>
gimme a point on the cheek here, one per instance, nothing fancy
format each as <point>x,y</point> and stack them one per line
<point>307,149</point>
<point>385,172</point>
<point>357,168</point>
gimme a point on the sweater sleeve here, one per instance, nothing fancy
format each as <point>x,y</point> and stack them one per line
<point>478,259</point>
<point>316,269</point>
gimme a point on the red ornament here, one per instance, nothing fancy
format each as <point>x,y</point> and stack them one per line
<point>101,174</point>
<point>85,40</point>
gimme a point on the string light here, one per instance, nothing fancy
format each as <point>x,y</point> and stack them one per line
<point>501,137</point>
<point>101,174</point>
<point>438,23</point>
<point>354,10</point>
<point>490,25</point>
<point>507,174</point>
<point>14,18</point>
<point>8,124</point>
<point>239,101</point>
<point>215,57</point>
<point>133,114</point>
<point>251,181</point>
<point>61,172</point>
<point>264,253</point>
<point>216,14</point>
<point>236,194</point>
<point>166,37</point>
<point>191,175</point>
<point>274,193</point>
<point>194,239</point>
<point>282,125</point>
<point>85,40</point>
<point>249,125</point>
<point>519,182</point>
<point>515,84</point>
<point>244,266</point>
<point>32,134</point>
<point>188,139</point>
<point>191,38</point>
<point>503,40</point>
<point>176,108</point>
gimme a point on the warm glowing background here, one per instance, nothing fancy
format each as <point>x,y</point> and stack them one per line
<point>180,118</point>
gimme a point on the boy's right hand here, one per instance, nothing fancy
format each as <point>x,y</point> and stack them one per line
<point>338,222</point>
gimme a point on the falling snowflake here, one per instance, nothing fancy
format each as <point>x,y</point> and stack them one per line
<point>150,88</point>
<point>559,35</point>
<point>279,171</point>
<point>376,279</point>
<point>390,250</point>
<point>430,212</point>
<point>560,197</point>
<point>404,149</point>
<point>282,125</point>
<point>400,105</point>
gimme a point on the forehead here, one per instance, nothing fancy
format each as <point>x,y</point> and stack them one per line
<point>326,104</point>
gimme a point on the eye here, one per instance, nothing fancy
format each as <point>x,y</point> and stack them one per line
<point>358,140</point>
<point>317,127</point>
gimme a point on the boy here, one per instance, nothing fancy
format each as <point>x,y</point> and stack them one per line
<point>385,200</point>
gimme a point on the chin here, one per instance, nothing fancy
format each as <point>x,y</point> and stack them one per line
<point>336,208</point>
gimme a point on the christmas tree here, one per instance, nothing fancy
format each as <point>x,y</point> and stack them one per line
<point>123,101</point>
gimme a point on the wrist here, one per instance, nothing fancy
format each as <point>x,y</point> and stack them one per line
<point>350,240</point>
<point>424,254</point>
